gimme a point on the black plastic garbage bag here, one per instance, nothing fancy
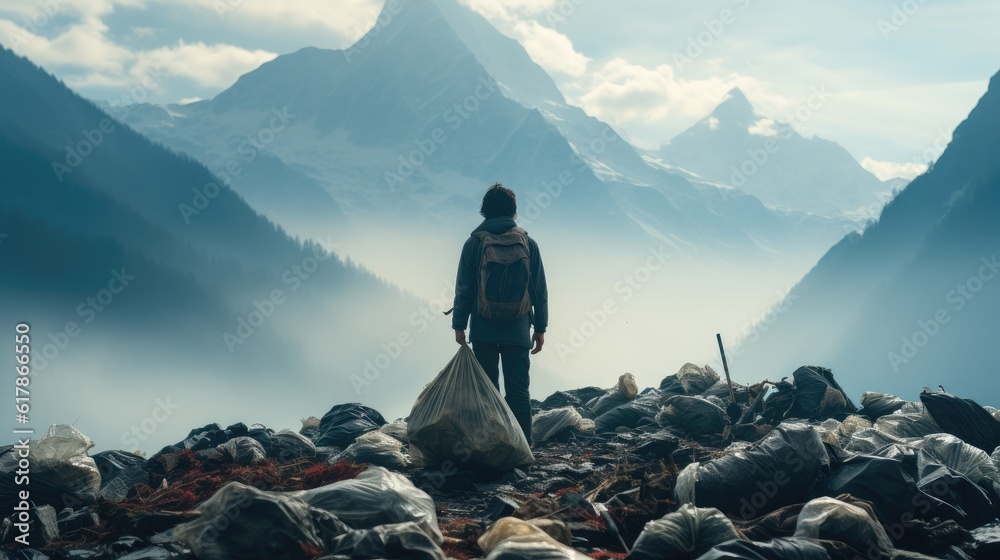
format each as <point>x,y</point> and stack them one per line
<point>967,498</point>
<point>688,532</point>
<point>817,395</point>
<point>900,491</point>
<point>403,541</point>
<point>241,522</point>
<point>875,405</point>
<point>623,392</point>
<point>963,418</point>
<point>574,397</point>
<point>206,437</point>
<point>376,497</point>
<point>695,416</point>
<point>632,414</point>
<point>460,419</point>
<point>61,472</point>
<point>345,422</point>
<point>789,466</point>
<point>670,385</point>
<point>777,549</point>
<point>287,445</point>
<point>120,471</point>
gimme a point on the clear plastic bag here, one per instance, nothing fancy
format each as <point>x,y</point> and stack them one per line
<point>376,448</point>
<point>550,423</point>
<point>244,450</point>
<point>870,440</point>
<point>62,474</point>
<point>907,425</point>
<point>515,539</point>
<point>850,426</point>
<point>686,533</point>
<point>376,497</point>
<point>696,380</point>
<point>396,429</point>
<point>460,419</point>
<point>831,519</point>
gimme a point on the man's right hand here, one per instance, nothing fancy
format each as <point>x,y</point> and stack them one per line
<point>460,336</point>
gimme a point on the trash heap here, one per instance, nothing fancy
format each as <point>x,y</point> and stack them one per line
<point>795,471</point>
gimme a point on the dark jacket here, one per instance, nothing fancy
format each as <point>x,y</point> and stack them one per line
<point>517,331</point>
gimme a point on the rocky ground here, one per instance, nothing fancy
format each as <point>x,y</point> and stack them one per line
<point>793,470</point>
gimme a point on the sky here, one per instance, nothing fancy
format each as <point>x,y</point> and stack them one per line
<point>894,77</point>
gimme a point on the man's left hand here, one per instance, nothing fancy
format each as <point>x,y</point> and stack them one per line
<point>539,340</point>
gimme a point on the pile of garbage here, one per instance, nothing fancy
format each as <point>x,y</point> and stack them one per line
<point>793,470</point>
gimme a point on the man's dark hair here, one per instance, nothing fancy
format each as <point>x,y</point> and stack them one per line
<point>498,201</point>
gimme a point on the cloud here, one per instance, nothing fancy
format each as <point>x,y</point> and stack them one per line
<point>886,170</point>
<point>650,103</point>
<point>763,127</point>
<point>713,123</point>
<point>349,19</point>
<point>510,9</point>
<point>82,45</point>
<point>205,65</point>
<point>552,50</point>
<point>86,56</point>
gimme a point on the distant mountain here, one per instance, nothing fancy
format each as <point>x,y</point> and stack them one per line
<point>767,158</point>
<point>405,128</point>
<point>913,300</point>
<point>140,274</point>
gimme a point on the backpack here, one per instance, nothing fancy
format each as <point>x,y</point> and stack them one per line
<point>504,275</point>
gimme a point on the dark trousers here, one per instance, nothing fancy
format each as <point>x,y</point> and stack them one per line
<point>515,377</point>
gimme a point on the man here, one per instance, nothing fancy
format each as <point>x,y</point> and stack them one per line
<point>499,264</point>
